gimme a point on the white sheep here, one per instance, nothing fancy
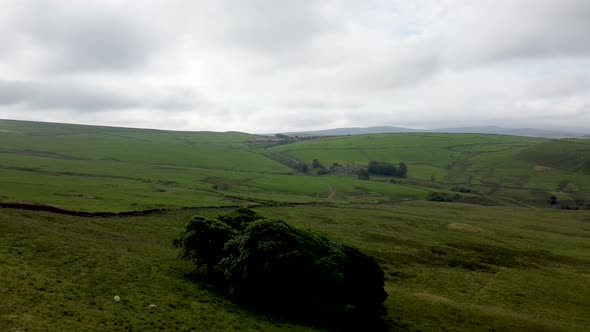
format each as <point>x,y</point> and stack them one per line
<point>117,298</point>
<point>152,306</point>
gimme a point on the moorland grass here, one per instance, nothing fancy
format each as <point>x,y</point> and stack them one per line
<point>464,267</point>
<point>116,169</point>
<point>61,273</point>
<point>487,162</point>
<point>448,265</point>
<point>452,266</point>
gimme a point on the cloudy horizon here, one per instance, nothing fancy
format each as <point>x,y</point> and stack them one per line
<point>275,66</point>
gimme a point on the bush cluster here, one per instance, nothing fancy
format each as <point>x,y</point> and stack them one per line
<point>443,197</point>
<point>273,265</point>
<point>466,190</point>
<point>388,169</point>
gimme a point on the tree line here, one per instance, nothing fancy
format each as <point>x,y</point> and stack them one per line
<point>388,169</point>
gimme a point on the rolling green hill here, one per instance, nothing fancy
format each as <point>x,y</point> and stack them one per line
<point>516,265</point>
<point>525,169</point>
<point>569,155</point>
<point>118,169</point>
<point>453,266</point>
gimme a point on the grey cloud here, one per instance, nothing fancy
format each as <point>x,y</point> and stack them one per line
<point>83,97</point>
<point>585,113</point>
<point>179,98</point>
<point>320,104</point>
<point>265,26</point>
<point>264,64</point>
<point>515,29</point>
<point>80,97</point>
<point>87,35</point>
<point>408,65</point>
<point>560,85</point>
<point>292,119</point>
<point>12,93</point>
<point>550,28</point>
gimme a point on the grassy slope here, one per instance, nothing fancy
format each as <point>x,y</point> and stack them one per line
<point>523,168</point>
<point>61,273</point>
<point>452,266</point>
<point>469,267</point>
<point>117,169</point>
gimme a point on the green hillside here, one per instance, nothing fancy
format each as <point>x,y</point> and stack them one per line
<point>568,155</point>
<point>453,266</point>
<point>118,169</point>
<point>508,260</point>
<point>525,169</point>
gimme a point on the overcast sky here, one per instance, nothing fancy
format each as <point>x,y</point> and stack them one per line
<point>270,66</point>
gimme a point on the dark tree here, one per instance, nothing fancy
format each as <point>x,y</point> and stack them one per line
<point>239,219</point>
<point>323,171</point>
<point>388,169</point>
<point>277,265</point>
<point>443,197</point>
<point>316,164</point>
<point>563,184</point>
<point>273,265</point>
<point>203,241</point>
<point>302,167</point>
<point>363,174</point>
<point>364,282</point>
<point>402,170</point>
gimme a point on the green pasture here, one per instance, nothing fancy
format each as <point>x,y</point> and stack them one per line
<point>465,267</point>
<point>224,151</point>
<point>62,273</point>
<point>489,163</point>
<point>118,169</point>
<point>448,266</point>
<point>97,168</point>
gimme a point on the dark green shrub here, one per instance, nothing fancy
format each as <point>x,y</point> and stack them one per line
<point>301,167</point>
<point>273,265</point>
<point>388,169</point>
<point>239,219</point>
<point>363,174</point>
<point>466,190</point>
<point>443,197</point>
<point>203,240</point>
<point>316,164</point>
<point>284,268</point>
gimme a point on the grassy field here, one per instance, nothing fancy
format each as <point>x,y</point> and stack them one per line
<point>521,168</point>
<point>117,169</point>
<point>453,266</point>
<point>510,265</point>
<point>470,267</point>
<point>61,274</point>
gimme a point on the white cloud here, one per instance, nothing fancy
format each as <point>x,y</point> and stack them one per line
<point>270,65</point>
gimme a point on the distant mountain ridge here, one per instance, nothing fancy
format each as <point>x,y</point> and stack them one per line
<point>531,132</point>
<point>355,131</point>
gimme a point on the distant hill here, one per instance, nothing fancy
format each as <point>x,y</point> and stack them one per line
<point>354,131</point>
<point>530,132</point>
<point>93,168</point>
